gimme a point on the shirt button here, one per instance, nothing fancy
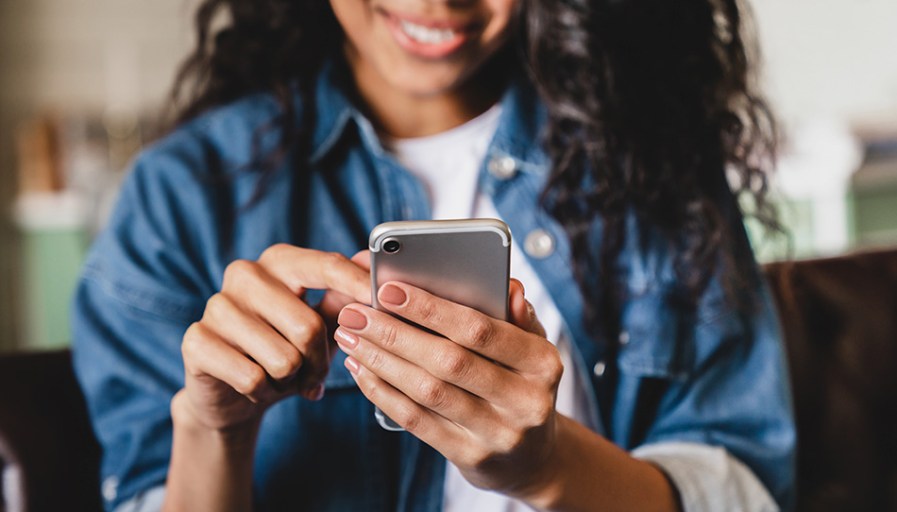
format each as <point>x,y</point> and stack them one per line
<point>624,337</point>
<point>599,369</point>
<point>110,488</point>
<point>538,244</point>
<point>502,167</point>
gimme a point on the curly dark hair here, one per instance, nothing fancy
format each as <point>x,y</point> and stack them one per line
<point>651,103</point>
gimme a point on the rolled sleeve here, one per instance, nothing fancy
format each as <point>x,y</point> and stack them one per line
<point>150,500</point>
<point>708,478</point>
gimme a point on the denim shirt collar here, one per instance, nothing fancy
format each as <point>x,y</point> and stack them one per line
<point>517,136</point>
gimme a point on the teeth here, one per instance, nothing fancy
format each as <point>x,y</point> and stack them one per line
<point>426,35</point>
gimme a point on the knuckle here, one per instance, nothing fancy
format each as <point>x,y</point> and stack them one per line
<point>480,332</point>
<point>294,358</point>
<point>427,310</point>
<point>315,325</point>
<point>285,365</point>
<point>541,412</point>
<point>410,419</point>
<point>274,252</point>
<point>219,308</point>
<point>252,382</point>
<point>538,410</point>
<point>237,272</point>
<point>552,368</point>
<point>332,261</point>
<point>390,336</point>
<point>278,368</point>
<point>455,365</point>
<point>299,332</point>
<point>335,259</point>
<point>376,360</point>
<point>306,330</point>
<point>191,347</point>
<point>371,389</point>
<point>333,266</point>
<point>508,441</point>
<point>433,393</point>
<point>214,303</point>
<point>192,336</point>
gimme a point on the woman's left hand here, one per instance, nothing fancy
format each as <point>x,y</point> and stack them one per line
<point>483,395</point>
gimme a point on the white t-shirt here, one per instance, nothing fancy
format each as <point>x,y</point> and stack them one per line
<point>448,165</point>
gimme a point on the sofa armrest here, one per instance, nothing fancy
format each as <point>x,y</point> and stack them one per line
<point>839,317</point>
<point>50,455</point>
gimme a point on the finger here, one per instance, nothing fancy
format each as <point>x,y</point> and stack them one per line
<point>522,313</point>
<point>516,286</point>
<point>300,268</point>
<point>334,301</point>
<point>424,424</point>
<point>272,302</point>
<point>306,331</point>
<point>494,339</point>
<point>279,358</point>
<point>208,355</point>
<point>362,259</point>
<point>439,356</point>
<point>443,398</point>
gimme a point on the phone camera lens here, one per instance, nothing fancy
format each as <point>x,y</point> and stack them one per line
<point>392,246</point>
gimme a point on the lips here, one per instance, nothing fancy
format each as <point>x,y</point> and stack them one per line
<point>427,38</point>
<point>427,35</point>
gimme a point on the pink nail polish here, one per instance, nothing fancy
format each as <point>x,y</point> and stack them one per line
<point>392,294</point>
<point>352,365</point>
<point>352,319</point>
<point>347,339</point>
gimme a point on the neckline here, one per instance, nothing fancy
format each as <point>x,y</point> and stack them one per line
<point>487,120</point>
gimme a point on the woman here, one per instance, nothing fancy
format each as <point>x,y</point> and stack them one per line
<point>644,372</point>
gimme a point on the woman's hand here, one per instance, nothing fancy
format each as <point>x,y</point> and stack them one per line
<point>258,341</point>
<point>483,395</point>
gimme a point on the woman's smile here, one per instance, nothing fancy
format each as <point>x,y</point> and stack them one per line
<point>428,38</point>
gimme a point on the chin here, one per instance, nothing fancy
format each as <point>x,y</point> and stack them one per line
<point>418,83</point>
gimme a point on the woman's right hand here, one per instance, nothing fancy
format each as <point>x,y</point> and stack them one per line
<point>258,341</point>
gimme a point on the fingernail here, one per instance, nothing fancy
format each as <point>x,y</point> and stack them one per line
<point>352,365</point>
<point>352,319</point>
<point>347,338</point>
<point>392,294</point>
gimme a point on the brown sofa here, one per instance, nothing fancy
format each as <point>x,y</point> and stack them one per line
<point>840,321</point>
<point>839,316</point>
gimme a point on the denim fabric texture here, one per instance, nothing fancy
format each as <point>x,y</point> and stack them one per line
<point>714,376</point>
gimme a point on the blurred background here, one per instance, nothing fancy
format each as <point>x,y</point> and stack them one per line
<point>82,82</point>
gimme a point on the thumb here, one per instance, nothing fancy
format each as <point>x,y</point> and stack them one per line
<point>521,311</point>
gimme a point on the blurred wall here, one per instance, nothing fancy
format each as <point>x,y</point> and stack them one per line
<point>75,57</point>
<point>831,73</point>
<point>830,58</point>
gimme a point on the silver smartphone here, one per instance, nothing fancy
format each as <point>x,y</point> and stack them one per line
<point>464,261</point>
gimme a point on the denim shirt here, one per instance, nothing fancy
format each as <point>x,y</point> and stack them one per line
<point>714,376</point>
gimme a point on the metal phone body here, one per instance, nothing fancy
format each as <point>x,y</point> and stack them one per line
<point>464,261</point>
